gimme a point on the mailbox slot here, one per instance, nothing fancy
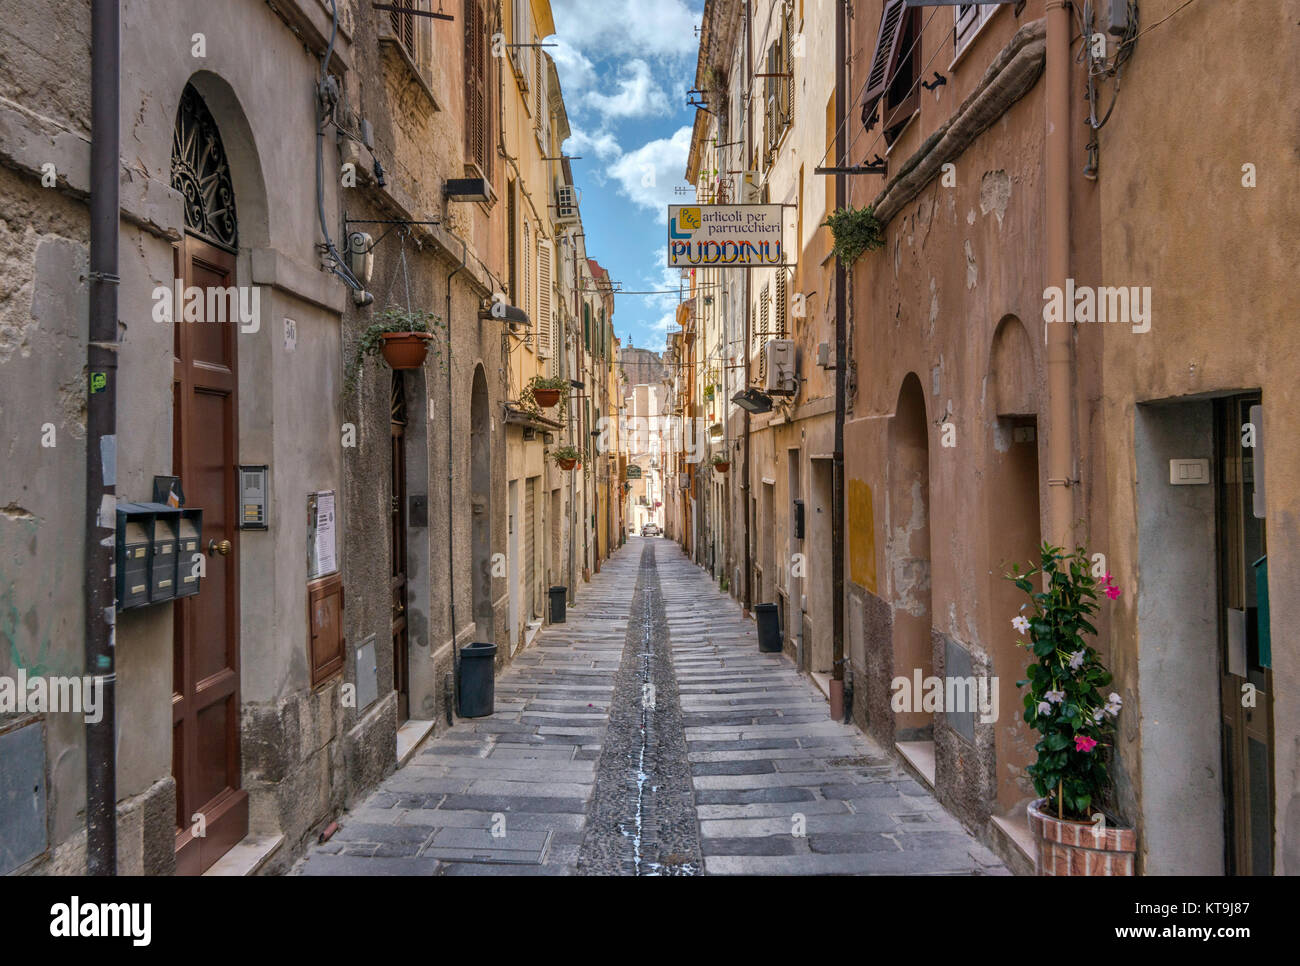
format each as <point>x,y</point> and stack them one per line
<point>162,552</point>
<point>189,528</point>
<point>134,537</point>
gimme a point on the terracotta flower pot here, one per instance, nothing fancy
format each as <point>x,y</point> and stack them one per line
<point>405,350</point>
<point>722,467</point>
<point>1067,847</point>
<point>566,464</point>
<point>546,398</point>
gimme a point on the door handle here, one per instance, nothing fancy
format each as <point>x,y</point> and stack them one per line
<point>222,548</point>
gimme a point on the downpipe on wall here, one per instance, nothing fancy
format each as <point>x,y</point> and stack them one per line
<point>101,438</point>
<point>841,370</point>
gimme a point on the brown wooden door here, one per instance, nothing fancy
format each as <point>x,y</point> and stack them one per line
<point>211,808</point>
<point>397,541</point>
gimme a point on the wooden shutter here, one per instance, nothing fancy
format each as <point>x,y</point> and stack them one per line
<point>764,312</point>
<point>528,272</point>
<point>544,298</point>
<point>512,255</point>
<point>781,328</point>
<point>538,85</point>
<point>787,58</point>
<point>885,58</point>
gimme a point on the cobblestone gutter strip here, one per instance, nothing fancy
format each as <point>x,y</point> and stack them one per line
<point>642,819</point>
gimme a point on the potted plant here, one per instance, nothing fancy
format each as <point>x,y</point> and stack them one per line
<point>545,391</point>
<point>567,457</point>
<point>400,336</point>
<point>856,230</point>
<point>721,462</point>
<point>1064,704</point>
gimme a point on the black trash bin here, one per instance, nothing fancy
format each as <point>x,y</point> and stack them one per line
<point>769,628</point>
<point>477,684</point>
<point>559,600</point>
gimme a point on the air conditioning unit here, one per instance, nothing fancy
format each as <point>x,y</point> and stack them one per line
<point>566,204</point>
<point>778,355</point>
<point>751,189</point>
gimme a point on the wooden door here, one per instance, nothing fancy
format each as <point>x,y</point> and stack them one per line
<point>397,543</point>
<point>211,808</point>
<point>1246,677</point>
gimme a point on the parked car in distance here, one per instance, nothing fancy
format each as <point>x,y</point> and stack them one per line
<point>650,530</point>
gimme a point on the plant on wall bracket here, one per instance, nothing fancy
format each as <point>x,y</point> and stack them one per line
<point>391,322</point>
<point>856,230</point>
<point>543,392</point>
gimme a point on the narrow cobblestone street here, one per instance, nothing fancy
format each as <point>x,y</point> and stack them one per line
<point>648,735</point>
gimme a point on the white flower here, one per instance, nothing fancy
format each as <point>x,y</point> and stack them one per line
<point>1021,624</point>
<point>1056,697</point>
<point>1044,707</point>
<point>1098,715</point>
<point>1076,660</point>
<point>1114,704</point>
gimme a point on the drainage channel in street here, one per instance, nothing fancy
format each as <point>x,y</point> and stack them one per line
<point>642,816</point>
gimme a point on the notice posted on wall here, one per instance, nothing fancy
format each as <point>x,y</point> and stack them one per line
<point>322,535</point>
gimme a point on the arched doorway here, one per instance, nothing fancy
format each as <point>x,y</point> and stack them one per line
<point>211,806</point>
<point>480,485</point>
<point>909,556</point>
<point>1014,527</point>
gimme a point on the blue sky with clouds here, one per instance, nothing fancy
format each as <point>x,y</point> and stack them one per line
<point>625,67</point>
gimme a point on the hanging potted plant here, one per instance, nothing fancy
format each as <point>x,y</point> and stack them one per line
<point>567,457</point>
<point>855,230</point>
<point>721,462</point>
<point>401,337</point>
<point>1076,725</point>
<point>545,392</point>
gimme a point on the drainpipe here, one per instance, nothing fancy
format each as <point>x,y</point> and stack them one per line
<point>841,373</point>
<point>101,435</point>
<point>749,151</point>
<point>1060,435</point>
<point>451,502</point>
<point>573,490</point>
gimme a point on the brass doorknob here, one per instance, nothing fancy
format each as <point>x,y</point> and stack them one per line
<point>222,548</point>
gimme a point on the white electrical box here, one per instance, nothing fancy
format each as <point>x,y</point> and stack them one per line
<point>779,359</point>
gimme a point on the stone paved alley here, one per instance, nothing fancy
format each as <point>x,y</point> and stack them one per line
<point>648,735</point>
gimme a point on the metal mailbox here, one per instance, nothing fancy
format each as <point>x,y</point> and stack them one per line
<point>162,552</point>
<point>188,531</point>
<point>134,537</point>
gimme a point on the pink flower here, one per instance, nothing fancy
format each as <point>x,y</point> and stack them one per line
<point>1112,592</point>
<point>1084,743</point>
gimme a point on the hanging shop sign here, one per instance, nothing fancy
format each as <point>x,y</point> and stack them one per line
<point>726,236</point>
<point>634,472</point>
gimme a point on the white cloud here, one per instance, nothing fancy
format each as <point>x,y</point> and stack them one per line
<point>577,73</point>
<point>602,144</point>
<point>638,94</point>
<point>655,28</point>
<point>647,175</point>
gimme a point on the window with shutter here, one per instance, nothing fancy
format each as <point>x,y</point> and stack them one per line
<point>544,298</point>
<point>477,90</point>
<point>787,66</point>
<point>512,255</point>
<point>539,84</point>
<point>969,18</point>
<point>527,278</point>
<point>781,326</point>
<point>521,31</point>
<point>764,311</point>
<point>903,95</point>
<point>884,60</point>
<point>404,26</point>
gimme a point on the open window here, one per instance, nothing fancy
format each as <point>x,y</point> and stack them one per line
<point>969,18</point>
<point>903,93</point>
